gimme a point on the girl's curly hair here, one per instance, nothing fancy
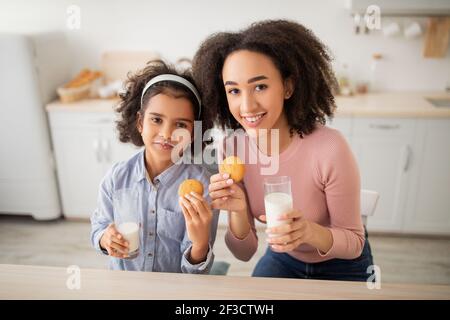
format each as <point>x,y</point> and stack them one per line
<point>130,101</point>
<point>296,52</point>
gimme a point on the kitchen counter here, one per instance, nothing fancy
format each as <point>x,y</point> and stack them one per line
<point>38,282</point>
<point>88,105</point>
<point>396,104</point>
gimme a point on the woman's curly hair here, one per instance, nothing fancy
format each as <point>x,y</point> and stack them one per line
<point>130,101</point>
<point>296,52</point>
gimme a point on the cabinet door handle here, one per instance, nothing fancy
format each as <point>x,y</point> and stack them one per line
<point>96,146</point>
<point>384,126</point>
<point>408,158</point>
<point>103,120</point>
<point>106,150</point>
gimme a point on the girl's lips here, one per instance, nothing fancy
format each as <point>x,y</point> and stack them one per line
<point>164,146</point>
<point>254,124</point>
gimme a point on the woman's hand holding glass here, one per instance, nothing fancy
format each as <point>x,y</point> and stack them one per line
<point>287,237</point>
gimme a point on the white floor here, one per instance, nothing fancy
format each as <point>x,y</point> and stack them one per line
<point>63,243</point>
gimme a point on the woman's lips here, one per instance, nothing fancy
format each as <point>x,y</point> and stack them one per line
<point>253,121</point>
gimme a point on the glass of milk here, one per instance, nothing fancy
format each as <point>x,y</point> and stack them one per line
<point>127,224</point>
<point>277,199</point>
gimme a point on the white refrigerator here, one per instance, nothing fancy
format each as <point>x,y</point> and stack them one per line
<point>31,68</point>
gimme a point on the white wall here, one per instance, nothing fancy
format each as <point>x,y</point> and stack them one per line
<point>175,29</point>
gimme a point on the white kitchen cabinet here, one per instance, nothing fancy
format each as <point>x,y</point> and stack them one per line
<point>407,160</point>
<point>344,125</point>
<point>384,149</point>
<point>85,146</point>
<point>428,209</point>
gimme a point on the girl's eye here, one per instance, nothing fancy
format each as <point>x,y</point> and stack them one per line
<point>233,91</point>
<point>156,120</point>
<point>181,125</point>
<point>261,87</point>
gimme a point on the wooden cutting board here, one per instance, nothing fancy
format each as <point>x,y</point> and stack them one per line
<point>116,64</point>
<point>437,37</point>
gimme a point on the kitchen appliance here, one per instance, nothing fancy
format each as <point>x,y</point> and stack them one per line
<point>31,68</point>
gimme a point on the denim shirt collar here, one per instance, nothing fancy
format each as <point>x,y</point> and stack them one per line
<point>164,178</point>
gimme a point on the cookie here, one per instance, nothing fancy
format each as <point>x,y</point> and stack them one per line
<point>189,185</point>
<point>234,167</point>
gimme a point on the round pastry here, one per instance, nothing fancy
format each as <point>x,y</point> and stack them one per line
<point>189,185</point>
<point>234,167</point>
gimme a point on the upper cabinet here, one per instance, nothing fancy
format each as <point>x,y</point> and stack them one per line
<point>402,7</point>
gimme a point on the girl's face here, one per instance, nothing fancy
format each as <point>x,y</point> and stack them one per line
<point>255,90</point>
<point>165,114</point>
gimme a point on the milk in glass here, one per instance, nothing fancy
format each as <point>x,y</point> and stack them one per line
<point>130,231</point>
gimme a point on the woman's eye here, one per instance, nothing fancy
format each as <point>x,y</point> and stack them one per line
<point>181,125</point>
<point>233,91</point>
<point>156,120</point>
<point>260,87</point>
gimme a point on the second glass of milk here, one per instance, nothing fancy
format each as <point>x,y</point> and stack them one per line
<point>277,199</point>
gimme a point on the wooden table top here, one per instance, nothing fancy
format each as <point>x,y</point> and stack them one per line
<point>39,282</point>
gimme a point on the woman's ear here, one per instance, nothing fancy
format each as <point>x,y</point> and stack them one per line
<point>288,88</point>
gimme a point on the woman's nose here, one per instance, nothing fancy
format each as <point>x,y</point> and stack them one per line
<point>248,104</point>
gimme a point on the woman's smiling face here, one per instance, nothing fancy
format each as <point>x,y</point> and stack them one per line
<point>163,115</point>
<point>255,90</point>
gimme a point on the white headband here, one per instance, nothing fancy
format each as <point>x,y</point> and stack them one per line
<point>174,78</point>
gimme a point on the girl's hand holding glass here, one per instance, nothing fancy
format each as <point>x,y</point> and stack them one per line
<point>113,242</point>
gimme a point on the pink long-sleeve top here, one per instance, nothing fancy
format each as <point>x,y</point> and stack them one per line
<point>325,187</point>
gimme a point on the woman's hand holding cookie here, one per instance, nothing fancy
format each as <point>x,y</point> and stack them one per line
<point>226,194</point>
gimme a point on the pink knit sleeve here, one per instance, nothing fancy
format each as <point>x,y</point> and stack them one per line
<point>339,174</point>
<point>243,249</point>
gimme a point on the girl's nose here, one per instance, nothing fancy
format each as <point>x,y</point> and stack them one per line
<point>165,132</point>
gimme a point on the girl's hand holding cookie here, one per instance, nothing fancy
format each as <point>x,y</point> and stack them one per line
<point>198,216</point>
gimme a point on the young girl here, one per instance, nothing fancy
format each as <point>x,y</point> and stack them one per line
<point>175,234</point>
<point>276,77</point>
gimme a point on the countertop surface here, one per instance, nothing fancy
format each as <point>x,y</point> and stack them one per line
<point>395,104</point>
<point>398,104</point>
<point>38,282</point>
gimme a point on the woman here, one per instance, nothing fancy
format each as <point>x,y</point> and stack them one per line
<point>275,81</point>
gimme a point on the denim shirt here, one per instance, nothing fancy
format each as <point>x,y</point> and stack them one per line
<point>164,244</point>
